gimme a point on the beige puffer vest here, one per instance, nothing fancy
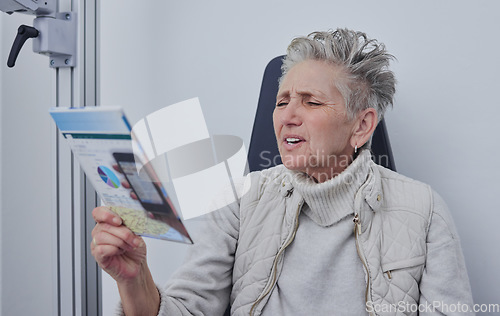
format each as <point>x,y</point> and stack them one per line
<point>392,216</point>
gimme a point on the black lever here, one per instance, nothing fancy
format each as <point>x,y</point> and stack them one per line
<point>23,33</point>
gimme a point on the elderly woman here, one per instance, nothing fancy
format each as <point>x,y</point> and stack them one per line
<point>329,231</point>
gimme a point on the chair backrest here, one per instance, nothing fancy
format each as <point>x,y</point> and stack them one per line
<point>263,152</point>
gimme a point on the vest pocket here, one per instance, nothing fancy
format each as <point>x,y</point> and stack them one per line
<point>389,267</point>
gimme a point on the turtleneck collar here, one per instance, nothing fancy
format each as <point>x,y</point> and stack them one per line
<point>333,200</point>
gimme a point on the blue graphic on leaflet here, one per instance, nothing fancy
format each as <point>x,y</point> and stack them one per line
<point>108,176</point>
<point>100,120</point>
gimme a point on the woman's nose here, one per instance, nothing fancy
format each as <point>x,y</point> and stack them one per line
<point>290,114</point>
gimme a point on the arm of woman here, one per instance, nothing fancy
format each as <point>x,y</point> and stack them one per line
<point>444,286</point>
<point>202,285</point>
<point>122,254</point>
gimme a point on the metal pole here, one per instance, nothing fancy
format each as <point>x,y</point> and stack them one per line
<point>78,286</point>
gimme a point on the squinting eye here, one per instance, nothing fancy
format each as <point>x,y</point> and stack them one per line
<point>281,104</point>
<point>313,103</point>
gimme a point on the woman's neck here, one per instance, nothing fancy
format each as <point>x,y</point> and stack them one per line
<point>329,168</point>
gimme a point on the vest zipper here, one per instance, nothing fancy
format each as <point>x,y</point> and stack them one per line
<point>275,262</point>
<point>357,232</point>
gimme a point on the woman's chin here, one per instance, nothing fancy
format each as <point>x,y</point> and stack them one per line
<point>293,165</point>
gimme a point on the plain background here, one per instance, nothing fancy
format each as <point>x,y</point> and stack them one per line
<point>443,128</point>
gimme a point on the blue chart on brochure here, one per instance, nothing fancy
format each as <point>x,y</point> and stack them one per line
<point>102,142</point>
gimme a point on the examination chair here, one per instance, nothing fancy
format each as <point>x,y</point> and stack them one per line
<point>263,152</point>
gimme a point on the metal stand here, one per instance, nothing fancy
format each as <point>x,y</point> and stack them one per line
<point>79,287</point>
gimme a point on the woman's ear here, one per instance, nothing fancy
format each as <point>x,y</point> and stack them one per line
<point>365,126</point>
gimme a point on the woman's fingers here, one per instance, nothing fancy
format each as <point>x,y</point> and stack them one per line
<point>125,184</point>
<point>108,225</point>
<point>102,252</point>
<point>133,196</point>
<point>115,247</point>
<point>104,237</point>
<point>102,214</point>
<point>104,232</point>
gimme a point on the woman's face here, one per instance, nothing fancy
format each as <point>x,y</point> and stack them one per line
<point>310,121</point>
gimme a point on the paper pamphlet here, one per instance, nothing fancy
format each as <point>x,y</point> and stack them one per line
<point>97,136</point>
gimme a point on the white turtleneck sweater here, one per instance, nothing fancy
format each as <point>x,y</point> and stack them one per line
<point>322,273</point>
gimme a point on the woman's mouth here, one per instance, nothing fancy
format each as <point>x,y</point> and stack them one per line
<point>292,142</point>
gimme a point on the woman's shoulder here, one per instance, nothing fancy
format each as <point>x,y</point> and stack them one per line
<point>403,188</point>
<point>389,174</point>
<point>269,178</point>
<point>271,183</point>
<point>399,192</point>
<point>271,173</point>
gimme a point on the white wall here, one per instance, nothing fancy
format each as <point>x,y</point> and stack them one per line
<point>1,141</point>
<point>25,188</point>
<point>442,127</point>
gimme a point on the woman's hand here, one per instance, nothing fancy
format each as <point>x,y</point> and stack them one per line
<point>122,254</point>
<point>117,250</point>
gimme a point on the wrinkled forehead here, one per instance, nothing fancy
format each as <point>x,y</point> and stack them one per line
<point>312,76</point>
